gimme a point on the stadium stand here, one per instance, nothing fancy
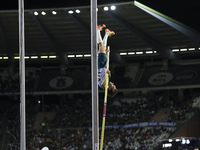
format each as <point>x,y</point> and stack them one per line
<point>71,127</point>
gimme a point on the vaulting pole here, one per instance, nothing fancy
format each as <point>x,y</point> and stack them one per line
<point>94,74</point>
<point>22,76</point>
<point>105,102</point>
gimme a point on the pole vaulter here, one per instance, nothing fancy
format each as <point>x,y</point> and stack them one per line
<point>104,72</point>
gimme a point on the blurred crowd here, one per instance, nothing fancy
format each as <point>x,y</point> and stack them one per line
<point>71,127</point>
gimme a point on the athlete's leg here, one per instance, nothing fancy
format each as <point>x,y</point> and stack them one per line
<point>107,34</point>
<point>99,29</point>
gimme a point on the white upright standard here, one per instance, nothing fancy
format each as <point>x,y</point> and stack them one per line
<point>22,76</point>
<point>94,75</point>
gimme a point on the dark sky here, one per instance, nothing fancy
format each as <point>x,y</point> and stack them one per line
<point>186,12</point>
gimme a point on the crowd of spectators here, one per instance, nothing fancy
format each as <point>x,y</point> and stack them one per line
<point>10,84</point>
<point>57,139</point>
<point>177,110</point>
<point>73,113</point>
<point>71,127</point>
<point>133,138</point>
<point>131,110</point>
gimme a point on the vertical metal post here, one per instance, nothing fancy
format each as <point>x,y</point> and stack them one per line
<point>22,76</point>
<point>94,74</point>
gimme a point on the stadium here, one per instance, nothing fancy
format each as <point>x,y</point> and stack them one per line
<point>154,63</point>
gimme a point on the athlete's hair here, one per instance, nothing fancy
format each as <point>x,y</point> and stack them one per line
<point>112,92</point>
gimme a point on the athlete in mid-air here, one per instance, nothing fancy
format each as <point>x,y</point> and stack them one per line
<point>102,60</point>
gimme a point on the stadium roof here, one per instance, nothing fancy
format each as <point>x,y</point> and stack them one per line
<point>140,31</point>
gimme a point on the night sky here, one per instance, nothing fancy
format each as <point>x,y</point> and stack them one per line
<point>186,12</point>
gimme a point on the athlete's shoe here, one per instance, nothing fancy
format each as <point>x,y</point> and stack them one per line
<point>101,26</point>
<point>110,32</point>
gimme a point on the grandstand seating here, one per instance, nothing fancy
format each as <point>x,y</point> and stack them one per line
<point>71,127</point>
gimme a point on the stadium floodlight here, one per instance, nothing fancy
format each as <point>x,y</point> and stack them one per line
<point>112,7</point>
<point>26,57</point>
<point>70,56</point>
<point>167,145</point>
<point>139,53</point>
<point>34,57</point>
<point>149,52</point>
<point>191,49</point>
<point>54,12</point>
<point>183,49</point>
<point>35,13</point>
<point>43,13</point>
<point>178,140</point>
<point>87,55</point>
<point>77,11</point>
<point>16,57</point>
<point>79,55</point>
<point>131,53</point>
<point>43,57</point>
<point>170,140</point>
<point>70,12</point>
<point>175,50</point>
<point>187,141</point>
<point>183,141</point>
<point>105,8</point>
<point>52,56</point>
<point>123,53</point>
<point>5,57</point>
